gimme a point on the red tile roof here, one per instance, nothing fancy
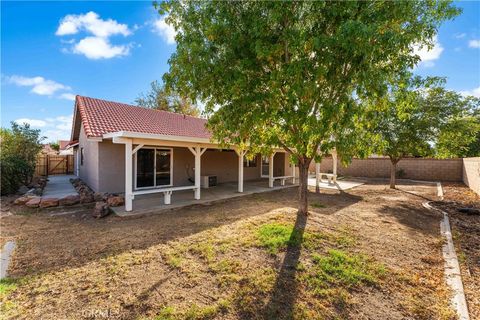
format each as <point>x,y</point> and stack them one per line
<point>101,116</point>
<point>63,144</point>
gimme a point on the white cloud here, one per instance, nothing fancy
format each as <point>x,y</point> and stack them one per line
<point>34,123</point>
<point>460,35</point>
<point>97,45</point>
<point>99,48</point>
<point>91,22</point>
<point>57,128</point>
<point>474,43</point>
<point>474,92</point>
<point>40,85</point>
<point>166,31</point>
<point>67,96</point>
<point>428,56</point>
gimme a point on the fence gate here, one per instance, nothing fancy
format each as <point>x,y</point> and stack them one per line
<point>48,164</point>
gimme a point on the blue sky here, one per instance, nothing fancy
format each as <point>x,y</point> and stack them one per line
<point>51,51</point>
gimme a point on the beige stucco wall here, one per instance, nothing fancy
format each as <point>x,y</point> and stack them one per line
<point>471,173</point>
<point>111,167</point>
<point>88,172</point>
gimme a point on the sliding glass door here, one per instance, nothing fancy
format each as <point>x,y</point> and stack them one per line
<point>153,167</point>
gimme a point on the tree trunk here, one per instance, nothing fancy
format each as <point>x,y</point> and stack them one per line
<point>393,173</point>
<point>303,186</point>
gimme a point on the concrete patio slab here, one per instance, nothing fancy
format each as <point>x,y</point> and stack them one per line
<point>59,187</point>
<point>153,203</point>
<point>339,185</point>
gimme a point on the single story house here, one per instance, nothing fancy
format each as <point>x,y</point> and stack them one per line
<point>120,148</point>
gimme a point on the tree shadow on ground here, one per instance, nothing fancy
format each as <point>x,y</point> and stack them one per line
<point>282,301</point>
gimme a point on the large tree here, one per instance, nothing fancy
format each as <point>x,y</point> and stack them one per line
<point>418,117</point>
<point>159,98</point>
<point>287,74</point>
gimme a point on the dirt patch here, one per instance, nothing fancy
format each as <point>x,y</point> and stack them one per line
<point>466,235</point>
<point>357,255</point>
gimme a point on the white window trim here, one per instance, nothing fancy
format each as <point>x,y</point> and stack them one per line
<point>154,168</point>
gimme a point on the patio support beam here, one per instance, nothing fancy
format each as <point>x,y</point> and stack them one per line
<point>270,170</point>
<point>241,154</point>
<point>140,146</point>
<point>197,152</point>
<point>128,175</point>
<point>317,177</point>
<point>334,158</point>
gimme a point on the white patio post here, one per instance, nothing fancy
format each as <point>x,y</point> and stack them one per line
<point>198,162</point>
<point>334,158</point>
<point>270,171</point>
<point>241,154</point>
<point>128,176</point>
<point>293,173</point>
<point>317,177</point>
<point>197,152</point>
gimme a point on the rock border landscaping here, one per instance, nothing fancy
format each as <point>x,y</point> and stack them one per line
<point>103,201</point>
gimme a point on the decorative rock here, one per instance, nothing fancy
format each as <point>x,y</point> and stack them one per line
<point>69,200</point>
<point>22,200</point>
<point>86,198</point>
<point>115,201</point>
<point>100,210</point>
<point>33,202</point>
<point>98,196</point>
<point>48,202</point>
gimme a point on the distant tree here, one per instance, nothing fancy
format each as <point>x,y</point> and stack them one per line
<point>159,98</point>
<point>20,146</point>
<point>55,146</point>
<point>418,117</point>
<point>459,132</point>
<point>287,74</point>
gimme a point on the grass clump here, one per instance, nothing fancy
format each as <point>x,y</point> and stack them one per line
<point>318,205</point>
<point>276,236</point>
<point>167,313</point>
<point>338,268</point>
<point>196,313</point>
<point>7,285</point>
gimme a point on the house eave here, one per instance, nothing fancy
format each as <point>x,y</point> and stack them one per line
<point>140,135</point>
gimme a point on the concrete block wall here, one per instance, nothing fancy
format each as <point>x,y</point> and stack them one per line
<point>413,168</point>
<point>471,173</point>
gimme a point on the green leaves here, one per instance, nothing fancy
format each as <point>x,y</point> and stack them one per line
<point>160,98</point>
<point>290,74</point>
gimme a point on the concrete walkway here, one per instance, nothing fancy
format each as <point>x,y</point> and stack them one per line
<point>59,187</point>
<point>339,185</point>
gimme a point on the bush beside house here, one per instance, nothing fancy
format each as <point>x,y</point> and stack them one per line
<point>19,148</point>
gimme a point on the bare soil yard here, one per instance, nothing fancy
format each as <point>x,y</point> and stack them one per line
<point>369,253</point>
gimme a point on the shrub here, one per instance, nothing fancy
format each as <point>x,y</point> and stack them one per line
<point>20,146</point>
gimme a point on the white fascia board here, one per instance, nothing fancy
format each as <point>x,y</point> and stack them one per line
<point>96,139</point>
<point>139,135</point>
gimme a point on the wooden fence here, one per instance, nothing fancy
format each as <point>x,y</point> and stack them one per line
<point>48,164</point>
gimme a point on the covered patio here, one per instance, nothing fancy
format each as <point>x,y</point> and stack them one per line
<point>154,202</point>
<point>165,171</point>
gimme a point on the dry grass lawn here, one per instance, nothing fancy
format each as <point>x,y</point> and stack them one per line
<point>369,253</point>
